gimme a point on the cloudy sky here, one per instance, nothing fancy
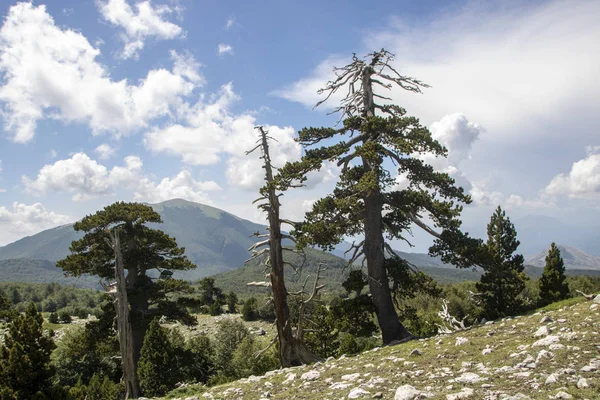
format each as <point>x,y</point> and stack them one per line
<point>151,100</point>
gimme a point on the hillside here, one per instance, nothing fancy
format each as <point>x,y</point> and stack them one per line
<point>41,271</point>
<point>550,354</point>
<point>572,257</point>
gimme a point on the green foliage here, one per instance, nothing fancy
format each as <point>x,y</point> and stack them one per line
<point>215,309</point>
<point>53,318</point>
<point>355,282</point>
<point>503,280</point>
<point>156,372</point>
<point>25,356</point>
<point>246,360</point>
<point>54,297</point>
<point>64,317</point>
<point>354,315</point>
<point>229,336</point>
<point>87,350</point>
<point>7,310</point>
<point>250,309</point>
<point>232,300</point>
<point>102,388</point>
<point>586,284</point>
<point>552,283</point>
<point>209,293</point>
<point>322,337</point>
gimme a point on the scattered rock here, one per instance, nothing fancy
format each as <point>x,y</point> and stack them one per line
<point>415,352</point>
<point>551,379</point>
<point>466,393</point>
<point>350,377</point>
<point>545,319</point>
<point>377,395</point>
<point>582,383</point>
<point>468,377</point>
<point>407,392</point>
<point>340,386</point>
<point>597,299</point>
<point>289,377</point>
<point>563,395</point>
<point>311,376</point>
<point>542,331</point>
<point>487,350</point>
<point>547,341</point>
<point>461,340</point>
<point>357,393</point>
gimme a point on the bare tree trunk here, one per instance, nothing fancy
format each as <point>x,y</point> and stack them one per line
<point>292,350</point>
<point>123,322</point>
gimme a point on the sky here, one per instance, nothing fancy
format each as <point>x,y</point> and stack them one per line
<point>111,100</point>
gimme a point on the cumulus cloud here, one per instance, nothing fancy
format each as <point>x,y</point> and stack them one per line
<point>52,72</point>
<point>86,178</point>
<point>224,49</point>
<point>182,186</point>
<point>104,151</point>
<point>583,181</point>
<point>139,24</point>
<point>24,220</point>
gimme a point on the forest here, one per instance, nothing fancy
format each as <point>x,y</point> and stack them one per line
<point>141,336</point>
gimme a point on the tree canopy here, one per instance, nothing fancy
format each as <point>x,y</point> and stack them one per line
<point>553,285</point>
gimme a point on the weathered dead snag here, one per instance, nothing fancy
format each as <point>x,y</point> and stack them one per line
<point>292,350</point>
<point>451,324</point>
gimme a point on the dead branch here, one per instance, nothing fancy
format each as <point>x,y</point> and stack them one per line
<point>587,296</point>
<point>262,284</point>
<point>451,323</point>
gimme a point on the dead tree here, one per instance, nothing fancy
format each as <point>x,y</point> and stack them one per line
<point>451,324</point>
<point>292,350</point>
<point>118,292</point>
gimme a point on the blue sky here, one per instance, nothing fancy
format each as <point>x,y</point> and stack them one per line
<point>125,100</point>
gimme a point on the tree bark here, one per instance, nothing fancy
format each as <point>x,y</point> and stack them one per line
<point>292,351</point>
<point>391,328</point>
<point>126,342</point>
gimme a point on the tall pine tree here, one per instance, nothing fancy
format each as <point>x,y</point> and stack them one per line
<point>552,283</point>
<point>367,200</point>
<point>143,249</point>
<point>503,278</point>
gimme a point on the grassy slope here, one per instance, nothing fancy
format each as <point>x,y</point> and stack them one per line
<point>383,370</point>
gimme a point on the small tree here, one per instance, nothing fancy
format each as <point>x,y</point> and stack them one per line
<point>64,317</point>
<point>552,282</point>
<point>232,300</point>
<point>53,318</point>
<point>155,370</point>
<point>25,356</point>
<point>503,278</point>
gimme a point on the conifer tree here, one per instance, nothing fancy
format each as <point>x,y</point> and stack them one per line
<point>552,282</point>
<point>503,278</point>
<point>25,356</point>
<point>143,249</point>
<point>155,371</point>
<point>367,200</point>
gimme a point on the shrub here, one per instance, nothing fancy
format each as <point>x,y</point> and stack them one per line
<point>250,310</point>
<point>53,318</point>
<point>64,317</point>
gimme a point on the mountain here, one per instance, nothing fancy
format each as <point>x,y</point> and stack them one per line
<point>41,271</point>
<point>215,240</point>
<point>572,257</point>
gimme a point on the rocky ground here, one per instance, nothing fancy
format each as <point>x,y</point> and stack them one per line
<point>552,354</point>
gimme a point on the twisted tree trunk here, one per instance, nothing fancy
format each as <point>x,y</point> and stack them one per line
<point>119,295</point>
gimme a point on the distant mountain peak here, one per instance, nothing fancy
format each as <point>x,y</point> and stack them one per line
<point>573,258</point>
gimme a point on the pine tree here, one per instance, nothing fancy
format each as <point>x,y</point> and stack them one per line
<point>366,200</point>
<point>552,282</point>
<point>503,278</point>
<point>143,249</point>
<point>156,372</point>
<point>25,356</point>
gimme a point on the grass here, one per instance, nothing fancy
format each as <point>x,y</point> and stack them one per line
<point>383,370</point>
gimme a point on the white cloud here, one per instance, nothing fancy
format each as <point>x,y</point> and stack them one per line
<point>104,151</point>
<point>86,178</point>
<point>225,49</point>
<point>24,220</point>
<point>583,181</point>
<point>146,21</point>
<point>506,67</point>
<point>83,177</point>
<point>49,72</point>
<point>182,186</point>
<point>229,23</point>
